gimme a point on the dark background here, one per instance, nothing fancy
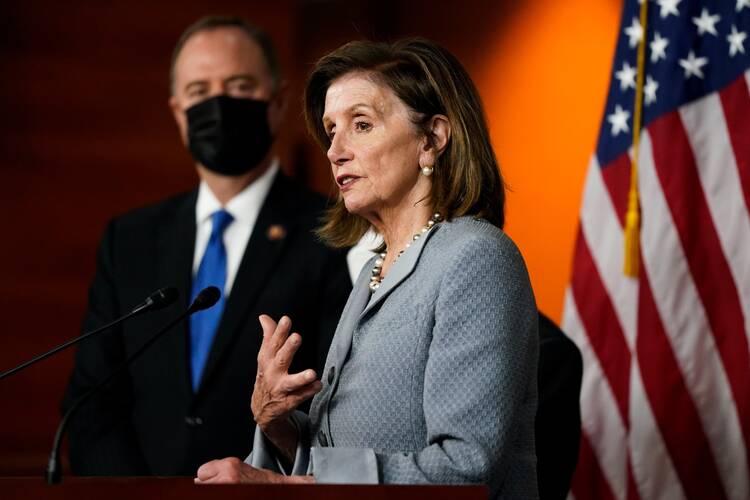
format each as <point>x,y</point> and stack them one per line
<point>85,134</point>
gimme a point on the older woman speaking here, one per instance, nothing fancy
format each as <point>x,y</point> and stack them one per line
<point>431,377</point>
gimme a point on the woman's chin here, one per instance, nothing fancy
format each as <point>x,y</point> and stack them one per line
<point>354,206</point>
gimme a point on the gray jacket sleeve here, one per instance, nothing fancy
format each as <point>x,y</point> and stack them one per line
<point>480,381</point>
<point>339,467</point>
<point>264,454</point>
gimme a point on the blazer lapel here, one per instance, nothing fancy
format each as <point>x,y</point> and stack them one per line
<point>362,301</point>
<point>342,339</point>
<point>402,268</point>
<point>257,265</point>
<point>176,248</point>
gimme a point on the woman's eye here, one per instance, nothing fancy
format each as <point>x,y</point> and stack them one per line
<point>362,126</point>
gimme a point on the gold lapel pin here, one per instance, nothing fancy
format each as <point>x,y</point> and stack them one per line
<point>276,232</point>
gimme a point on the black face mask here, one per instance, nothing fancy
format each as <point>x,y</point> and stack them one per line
<point>228,135</point>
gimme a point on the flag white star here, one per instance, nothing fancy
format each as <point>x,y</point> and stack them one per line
<point>658,47</point>
<point>626,76</point>
<point>736,40</point>
<point>634,32</point>
<point>619,120</point>
<point>650,89</point>
<point>742,4</point>
<point>692,65</point>
<point>707,23</point>
<point>668,7</point>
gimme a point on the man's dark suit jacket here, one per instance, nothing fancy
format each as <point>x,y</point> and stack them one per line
<point>149,421</point>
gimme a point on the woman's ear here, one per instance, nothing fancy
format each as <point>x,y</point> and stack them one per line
<point>438,135</point>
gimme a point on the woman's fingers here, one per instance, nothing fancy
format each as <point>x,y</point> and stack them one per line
<point>280,334</point>
<point>297,381</point>
<point>274,334</point>
<point>277,346</point>
<point>285,354</point>
<point>225,471</point>
<point>276,392</point>
<point>305,393</point>
<point>268,325</point>
<point>208,470</point>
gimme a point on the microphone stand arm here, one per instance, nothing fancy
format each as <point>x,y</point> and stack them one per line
<point>69,343</point>
<point>53,473</point>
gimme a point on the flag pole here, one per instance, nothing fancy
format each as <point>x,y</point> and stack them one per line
<point>632,216</point>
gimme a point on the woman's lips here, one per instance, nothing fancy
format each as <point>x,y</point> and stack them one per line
<point>345,181</point>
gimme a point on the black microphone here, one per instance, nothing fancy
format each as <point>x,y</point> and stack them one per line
<point>157,300</point>
<point>206,298</point>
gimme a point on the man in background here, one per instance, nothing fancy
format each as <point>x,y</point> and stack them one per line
<point>247,229</point>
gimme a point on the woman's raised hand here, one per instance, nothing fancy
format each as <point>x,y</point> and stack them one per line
<point>277,392</point>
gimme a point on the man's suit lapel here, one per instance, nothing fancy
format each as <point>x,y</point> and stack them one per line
<point>176,248</point>
<point>272,230</point>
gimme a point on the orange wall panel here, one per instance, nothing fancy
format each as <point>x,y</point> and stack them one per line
<point>544,82</point>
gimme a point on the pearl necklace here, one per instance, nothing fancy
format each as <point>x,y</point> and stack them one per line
<point>377,269</point>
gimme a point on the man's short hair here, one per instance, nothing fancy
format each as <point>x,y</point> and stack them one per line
<point>255,33</point>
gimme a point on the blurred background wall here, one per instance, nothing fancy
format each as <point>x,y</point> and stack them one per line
<point>85,134</point>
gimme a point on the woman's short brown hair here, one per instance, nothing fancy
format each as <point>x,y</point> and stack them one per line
<point>430,81</point>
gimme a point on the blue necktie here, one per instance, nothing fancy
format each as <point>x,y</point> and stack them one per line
<point>211,272</point>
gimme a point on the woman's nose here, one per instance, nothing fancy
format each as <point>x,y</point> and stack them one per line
<point>338,152</point>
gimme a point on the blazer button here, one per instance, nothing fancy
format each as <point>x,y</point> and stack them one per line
<point>331,374</point>
<point>322,438</point>
<point>193,421</point>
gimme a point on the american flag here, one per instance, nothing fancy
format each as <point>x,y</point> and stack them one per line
<point>665,400</point>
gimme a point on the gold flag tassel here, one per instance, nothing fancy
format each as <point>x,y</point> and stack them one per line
<point>633,216</point>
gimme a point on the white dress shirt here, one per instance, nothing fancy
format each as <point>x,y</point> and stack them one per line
<point>363,251</point>
<point>244,208</point>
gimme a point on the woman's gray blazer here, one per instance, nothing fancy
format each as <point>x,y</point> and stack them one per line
<point>432,379</point>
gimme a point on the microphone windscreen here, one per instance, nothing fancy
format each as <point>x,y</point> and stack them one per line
<point>163,297</point>
<point>205,299</point>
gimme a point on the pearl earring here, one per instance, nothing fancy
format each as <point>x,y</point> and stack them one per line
<point>427,171</point>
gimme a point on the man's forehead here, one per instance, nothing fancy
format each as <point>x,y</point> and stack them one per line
<point>224,49</point>
<point>231,35</point>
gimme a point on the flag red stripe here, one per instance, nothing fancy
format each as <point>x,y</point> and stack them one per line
<point>616,177</point>
<point>735,101</point>
<point>601,324</point>
<point>588,482</point>
<point>679,179</point>
<point>632,488</point>
<point>673,408</point>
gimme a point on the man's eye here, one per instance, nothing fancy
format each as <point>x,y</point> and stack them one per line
<point>242,88</point>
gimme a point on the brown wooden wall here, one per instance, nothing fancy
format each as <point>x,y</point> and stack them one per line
<point>85,134</point>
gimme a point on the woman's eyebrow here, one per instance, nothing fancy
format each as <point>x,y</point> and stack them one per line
<point>351,110</point>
